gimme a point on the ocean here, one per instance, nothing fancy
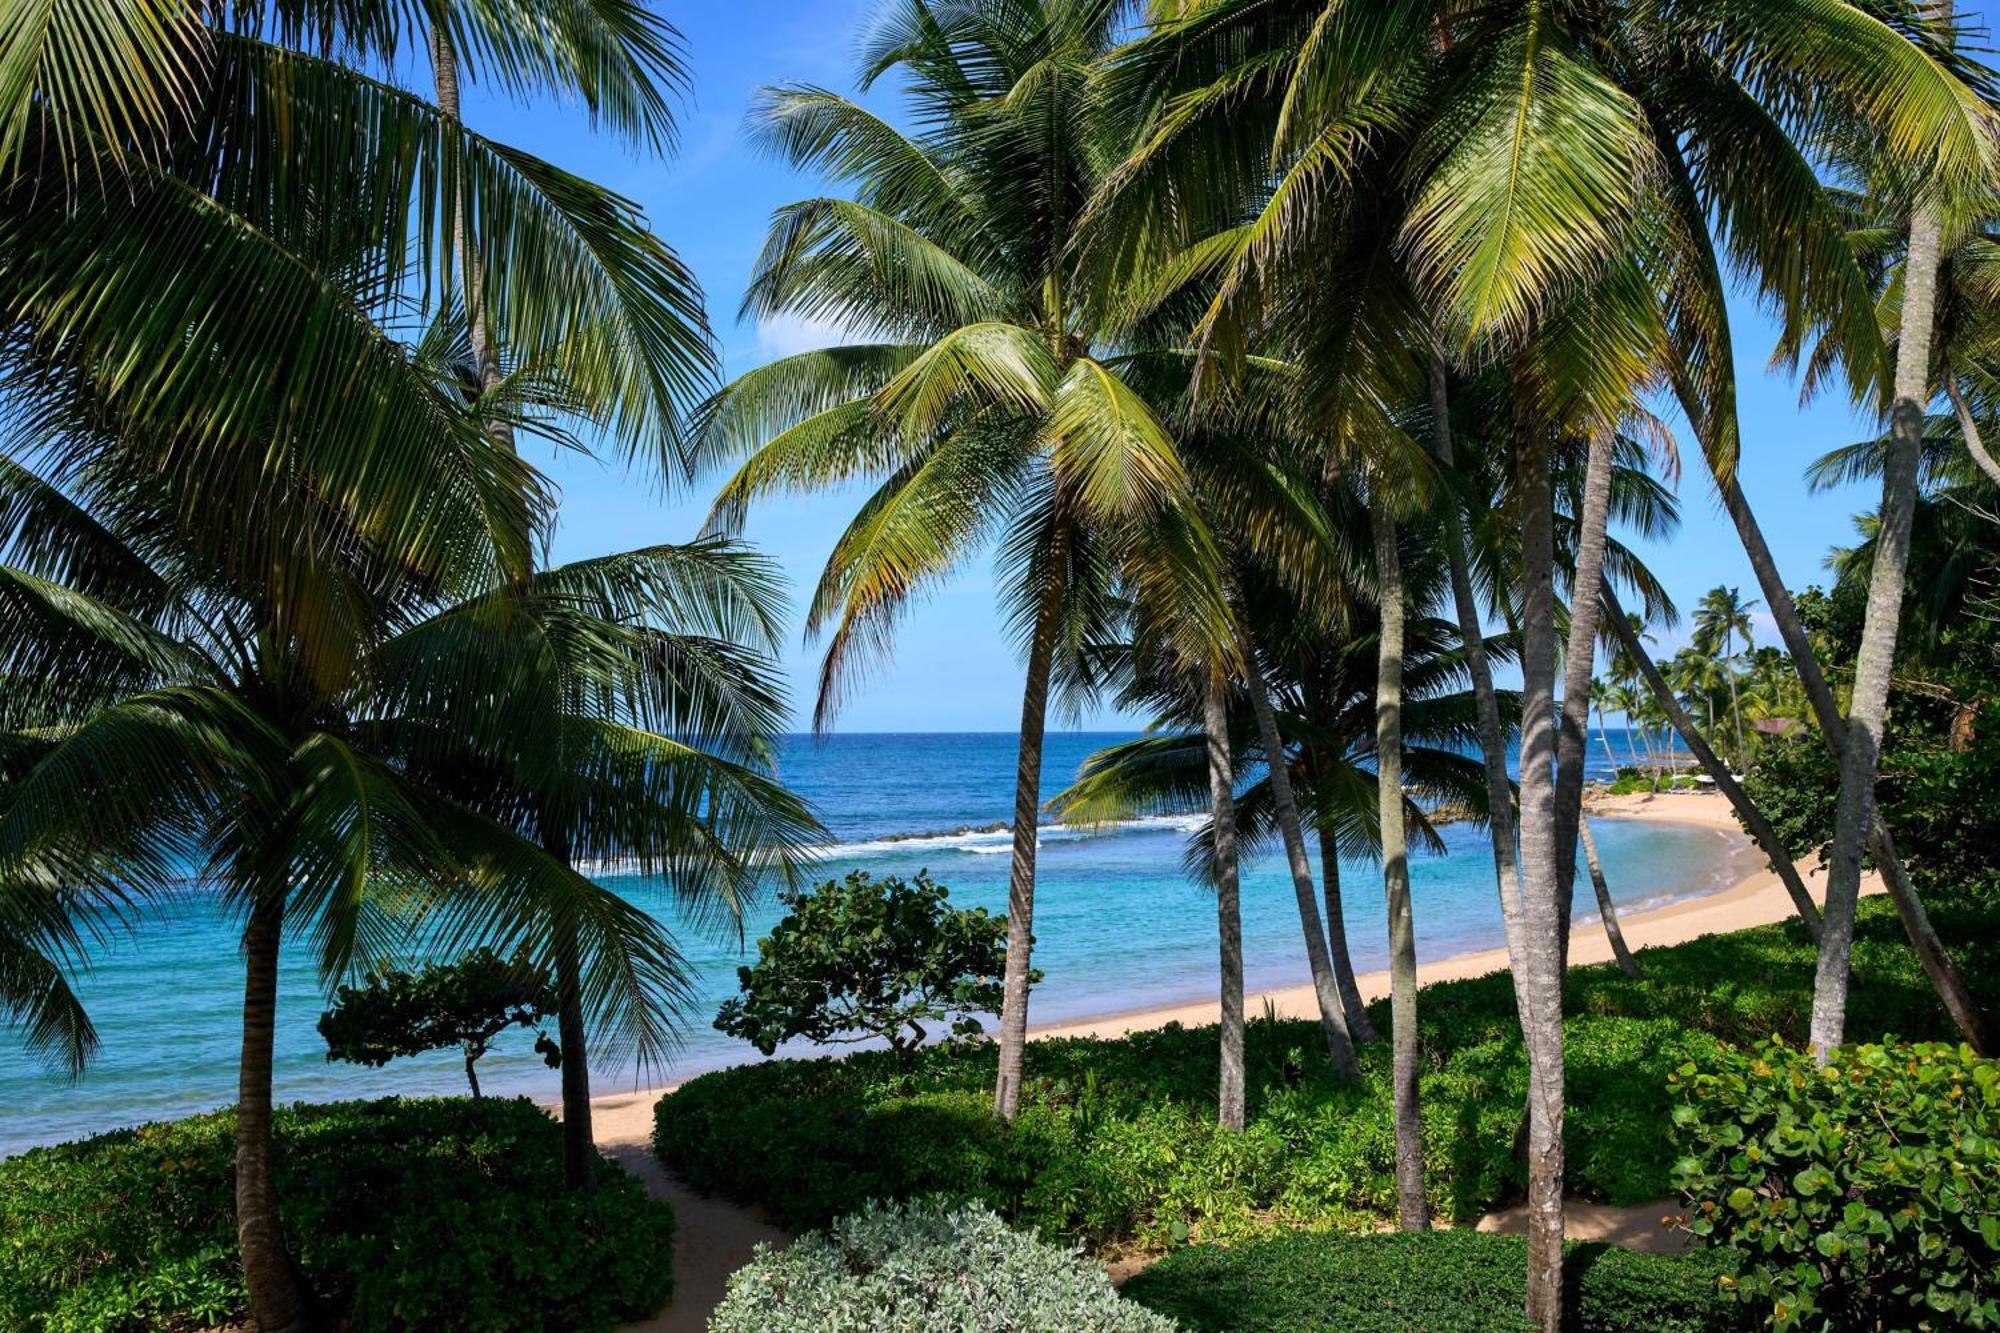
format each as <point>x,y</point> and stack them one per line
<point>1117,928</point>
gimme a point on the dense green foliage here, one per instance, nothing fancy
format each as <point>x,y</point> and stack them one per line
<point>1445,1282</point>
<point>1117,1140</point>
<point>915,1267</point>
<point>863,958</point>
<point>1862,1195</point>
<point>466,1004</point>
<point>435,1214</point>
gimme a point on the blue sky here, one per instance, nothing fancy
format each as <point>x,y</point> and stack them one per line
<point>954,670</point>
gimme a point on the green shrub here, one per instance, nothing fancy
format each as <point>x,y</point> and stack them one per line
<point>1117,1141</point>
<point>863,959</point>
<point>1440,1282</point>
<point>912,1268</point>
<point>437,1214</point>
<point>1862,1195</point>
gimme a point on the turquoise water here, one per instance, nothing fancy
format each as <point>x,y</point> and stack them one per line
<point>1117,928</point>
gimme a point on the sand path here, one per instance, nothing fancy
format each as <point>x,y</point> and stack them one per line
<point>716,1237</point>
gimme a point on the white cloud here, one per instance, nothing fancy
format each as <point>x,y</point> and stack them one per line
<point>788,335</point>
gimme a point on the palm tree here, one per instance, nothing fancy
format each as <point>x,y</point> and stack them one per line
<point>642,705</point>
<point>268,371</point>
<point>1412,1205</point>
<point>1720,618</point>
<point>643,65</point>
<point>218,726</point>
<point>993,402</point>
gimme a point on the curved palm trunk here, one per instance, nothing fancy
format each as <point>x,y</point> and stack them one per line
<point>1228,907</point>
<point>1332,1017</point>
<point>278,1300</point>
<point>1579,666</point>
<point>1358,1025</point>
<point>1972,1022</point>
<point>1766,838</point>
<point>1604,739</point>
<point>1606,909</point>
<point>1412,1208</point>
<point>1854,809</point>
<point>1027,810</point>
<point>1486,701</point>
<point>1540,963</point>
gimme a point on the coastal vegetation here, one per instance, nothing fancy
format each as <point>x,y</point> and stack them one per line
<point>872,960</point>
<point>1306,366</point>
<point>1117,1144</point>
<point>1450,1282</point>
<point>446,1214</point>
<point>466,1003</point>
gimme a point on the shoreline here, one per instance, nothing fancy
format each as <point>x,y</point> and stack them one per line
<point>1752,896</point>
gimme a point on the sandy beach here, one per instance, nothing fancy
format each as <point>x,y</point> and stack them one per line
<point>716,1237</point>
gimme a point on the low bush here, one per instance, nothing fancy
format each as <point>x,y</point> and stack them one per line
<point>1116,1140</point>
<point>1440,1282</point>
<point>913,1268</point>
<point>435,1214</point>
<point>1862,1195</point>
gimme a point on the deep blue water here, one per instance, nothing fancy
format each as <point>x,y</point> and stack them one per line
<point>1117,928</point>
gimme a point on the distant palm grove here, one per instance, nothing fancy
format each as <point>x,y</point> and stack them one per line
<point>1297,363</point>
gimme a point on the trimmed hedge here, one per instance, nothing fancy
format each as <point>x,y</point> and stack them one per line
<point>1116,1140</point>
<point>916,1267</point>
<point>420,1214</point>
<point>1443,1282</point>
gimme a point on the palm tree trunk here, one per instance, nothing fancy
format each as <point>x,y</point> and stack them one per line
<point>1412,1208</point>
<point>1854,809</point>
<point>1358,1025</point>
<point>1604,739</point>
<point>1973,1023</point>
<point>579,1134</point>
<point>1332,1017</point>
<point>1606,909</point>
<point>278,1300</point>
<point>1735,701</point>
<point>1540,963</point>
<point>1228,907</point>
<point>1579,665</point>
<point>1775,852</point>
<point>1027,821</point>
<point>1486,700</point>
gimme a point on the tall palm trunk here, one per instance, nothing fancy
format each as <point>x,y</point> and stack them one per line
<point>1412,1208</point>
<point>1606,909</point>
<point>485,360</point>
<point>1579,665</point>
<point>1540,963</point>
<point>1358,1025</point>
<point>1486,701</point>
<point>1775,852</point>
<point>1735,701</point>
<point>579,1135</point>
<point>1027,821</point>
<point>1973,1024</point>
<point>1332,1017</point>
<point>1854,809</point>
<point>1228,907</point>
<point>278,1300</point>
